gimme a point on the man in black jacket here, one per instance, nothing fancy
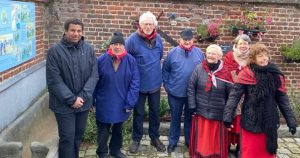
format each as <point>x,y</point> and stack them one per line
<point>71,73</point>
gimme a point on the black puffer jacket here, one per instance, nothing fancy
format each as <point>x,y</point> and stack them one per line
<point>207,104</point>
<point>71,72</point>
<point>251,118</point>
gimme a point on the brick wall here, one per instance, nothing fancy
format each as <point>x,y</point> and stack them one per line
<point>102,17</point>
<point>41,42</point>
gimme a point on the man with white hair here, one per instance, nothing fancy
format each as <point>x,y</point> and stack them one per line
<point>146,46</point>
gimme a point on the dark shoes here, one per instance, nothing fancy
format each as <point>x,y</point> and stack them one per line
<point>134,147</point>
<point>118,154</point>
<point>171,148</point>
<point>158,145</point>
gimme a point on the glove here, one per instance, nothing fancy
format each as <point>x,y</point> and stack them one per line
<point>227,124</point>
<point>292,130</point>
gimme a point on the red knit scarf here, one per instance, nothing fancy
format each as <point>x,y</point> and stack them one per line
<point>220,73</point>
<point>148,37</point>
<point>115,56</point>
<point>185,48</point>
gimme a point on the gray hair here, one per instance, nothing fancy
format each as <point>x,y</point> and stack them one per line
<point>215,46</point>
<point>243,37</point>
<point>146,15</point>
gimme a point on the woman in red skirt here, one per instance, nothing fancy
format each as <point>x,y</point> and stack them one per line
<point>234,61</point>
<point>208,90</point>
<point>262,83</point>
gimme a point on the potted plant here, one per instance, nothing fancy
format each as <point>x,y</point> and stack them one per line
<point>291,53</point>
<point>209,32</point>
<point>251,23</point>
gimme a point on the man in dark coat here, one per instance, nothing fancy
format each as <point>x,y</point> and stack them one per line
<point>71,74</point>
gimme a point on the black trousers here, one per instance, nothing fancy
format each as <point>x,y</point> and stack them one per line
<point>116,140</point>
<point>70,130</point>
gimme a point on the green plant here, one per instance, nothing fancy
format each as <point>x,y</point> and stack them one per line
<point>164,107</point>
<point>202,30</point>
<point>90,134</point>
<point>291,52</point>
<point>210,29</point>
<point>294,98</point>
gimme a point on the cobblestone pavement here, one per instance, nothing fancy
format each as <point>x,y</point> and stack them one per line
<point>288,148</point>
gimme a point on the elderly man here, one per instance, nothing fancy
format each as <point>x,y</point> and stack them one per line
<point>177,69</point>
<point>71,73</point>
<point>146,46</point>
<point>116,94</point>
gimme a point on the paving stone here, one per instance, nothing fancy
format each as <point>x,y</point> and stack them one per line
<point>90,152</point>
<point>282,156</point>
<point>81,153</point>
<point>297,140</point>
<point>279,140</point>
<point>288,148</point>
<point>295,150</point>
<point>288,139</point>
<point>283,151</point>
<point>292,145</point>
<point>294,155</point>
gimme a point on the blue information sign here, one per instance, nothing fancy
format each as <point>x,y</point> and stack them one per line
<point>17,33</point>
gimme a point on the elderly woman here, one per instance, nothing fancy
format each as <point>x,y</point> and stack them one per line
<point>207,94</point>
<point>234,61</point>
<point>262,83</point>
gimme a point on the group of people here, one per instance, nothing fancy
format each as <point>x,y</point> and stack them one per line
<point>223,98</point>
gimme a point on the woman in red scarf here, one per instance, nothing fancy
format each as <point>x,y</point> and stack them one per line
<point>208,89</point>
<point>234,61</point>
<point>262,83</point>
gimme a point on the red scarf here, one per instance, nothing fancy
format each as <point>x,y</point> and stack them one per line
<point>186,49</point>
<point>116,57</point>
<point>246,76</point>
<point>148,37</point>
<point>231,64</point>
<point>220,73</point>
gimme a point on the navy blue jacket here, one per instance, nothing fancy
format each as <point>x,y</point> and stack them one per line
<point>71,72</point>
<point>116,91</point>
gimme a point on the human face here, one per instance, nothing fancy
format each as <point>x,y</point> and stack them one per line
<point>117,48</point>
<point>262,59</point>
<point>147,26</point>
<point>186,43</point>
<point>74,33</point>
<point>212,55</point>
<point>243,46</point>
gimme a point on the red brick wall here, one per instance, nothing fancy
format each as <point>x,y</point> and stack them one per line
<point>101,18</point>
<point>41,43</point>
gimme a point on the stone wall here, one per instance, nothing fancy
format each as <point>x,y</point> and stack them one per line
<point>101,18</point>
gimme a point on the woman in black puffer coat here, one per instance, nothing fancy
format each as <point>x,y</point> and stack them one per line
<point>262,83</point>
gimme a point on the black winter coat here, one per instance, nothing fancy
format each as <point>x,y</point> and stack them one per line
<point>207,104</point>
<point>71,72</point>
<point>251,117</point>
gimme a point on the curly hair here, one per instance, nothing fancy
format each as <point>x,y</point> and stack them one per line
<point>257,49</point>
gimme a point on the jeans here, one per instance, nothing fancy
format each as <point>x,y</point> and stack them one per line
<point>116,141</point>
<point>176,106</point>
<point>70,130</point>
<point>138,116</point>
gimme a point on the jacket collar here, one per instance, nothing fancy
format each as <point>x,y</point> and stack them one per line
<point>69,45</point>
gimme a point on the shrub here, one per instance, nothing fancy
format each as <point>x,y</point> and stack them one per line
<point>291,52</point>
<point>90,134</point>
